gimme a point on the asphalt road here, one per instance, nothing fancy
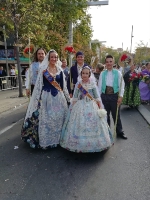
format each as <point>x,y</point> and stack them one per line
<point>121,173</point>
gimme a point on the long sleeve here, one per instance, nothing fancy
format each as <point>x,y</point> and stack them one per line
<point>100,83</point>
<point>28,77</point>
<point>121,84</point>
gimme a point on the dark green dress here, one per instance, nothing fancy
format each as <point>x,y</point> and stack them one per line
<point>131,94</point>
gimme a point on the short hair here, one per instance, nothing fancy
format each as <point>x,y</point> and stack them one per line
<point>100,66</point>
<point>35,54</point>
<point>109,56</point>
<point>63,59</point>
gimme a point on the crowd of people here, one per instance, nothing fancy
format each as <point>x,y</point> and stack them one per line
<point>72,107</point>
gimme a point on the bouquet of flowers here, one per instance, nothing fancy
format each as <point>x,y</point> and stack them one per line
<point>125,58</point>
<point>28,51</point>
<point>102,113</point>
<point>135,76</point>
<point>146,78</point>
<point>70,50</point>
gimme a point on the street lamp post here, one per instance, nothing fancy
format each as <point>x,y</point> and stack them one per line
<point>6,55</point>
<point>16,18</point>
<point>131,39</point>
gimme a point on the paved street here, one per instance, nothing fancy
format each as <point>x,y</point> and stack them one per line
<point>121,173</point>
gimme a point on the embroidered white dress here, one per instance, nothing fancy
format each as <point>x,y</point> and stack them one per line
<point>84,130</point>
<point>43,123</point>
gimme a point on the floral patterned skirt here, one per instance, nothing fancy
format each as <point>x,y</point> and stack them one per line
<point>44,127</point>
<point>131,96</point>
<point>84,131</point>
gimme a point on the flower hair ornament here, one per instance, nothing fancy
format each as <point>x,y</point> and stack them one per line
<point>92,77</point>
<point>86,67</point>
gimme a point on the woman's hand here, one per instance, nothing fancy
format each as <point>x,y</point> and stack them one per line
<point>99,104</point>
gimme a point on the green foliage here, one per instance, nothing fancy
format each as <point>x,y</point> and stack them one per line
<point>46,22</point>
<point>142,53</point>
<point>109,50</point>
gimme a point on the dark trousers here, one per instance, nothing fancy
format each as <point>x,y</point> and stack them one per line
<point>110,104</point>
<point>32,88</point>
<point>13,80</point>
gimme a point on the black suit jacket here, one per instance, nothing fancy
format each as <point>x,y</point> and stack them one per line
<point>74,77</point>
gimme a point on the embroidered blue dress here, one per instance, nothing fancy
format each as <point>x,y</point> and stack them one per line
<point>43,129</point>
<point>84,131</point>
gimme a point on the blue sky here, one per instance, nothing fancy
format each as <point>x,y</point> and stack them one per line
<point>113,23</point>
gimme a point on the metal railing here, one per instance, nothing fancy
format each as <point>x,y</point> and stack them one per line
<point>10,82</point>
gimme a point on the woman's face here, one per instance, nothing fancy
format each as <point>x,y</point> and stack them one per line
<point>132,68</point>
<point>148,66</point>
<point>53,57</point>
<point>85,74</point>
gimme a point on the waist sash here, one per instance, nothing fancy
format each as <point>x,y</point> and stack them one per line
<point>109,90</point>
<point>85,92</point>
<point>51,80</point>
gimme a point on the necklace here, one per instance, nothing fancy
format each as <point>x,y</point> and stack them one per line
<point>53,71</point>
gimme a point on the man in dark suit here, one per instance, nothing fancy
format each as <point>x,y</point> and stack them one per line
<point>74,72</point>
<point>2,74</point>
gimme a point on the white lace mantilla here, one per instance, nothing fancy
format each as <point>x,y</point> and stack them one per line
<point>33,104</point>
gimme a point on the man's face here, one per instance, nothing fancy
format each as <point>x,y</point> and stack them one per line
<point>1,68</point>
<point>109,63</point>
<point>98,70</point>
<point>40,55</point>
<point>80,59</point>
<point>64,63</point>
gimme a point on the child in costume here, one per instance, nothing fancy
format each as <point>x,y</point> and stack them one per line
<point>86,128</point>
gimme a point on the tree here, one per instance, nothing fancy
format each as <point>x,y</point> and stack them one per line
<point>142,53</point>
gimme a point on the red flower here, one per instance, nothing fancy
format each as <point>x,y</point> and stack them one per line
<point>26,50</point>
<point>70,49</point>
<point>124,57</point>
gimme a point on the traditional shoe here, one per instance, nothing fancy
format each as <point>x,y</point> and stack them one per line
<point>122,135</point>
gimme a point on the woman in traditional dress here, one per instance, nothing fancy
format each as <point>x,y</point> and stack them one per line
<point>131,94</point>
<point>144,85</point>
<point>47,109</point>
<point>86,128</point>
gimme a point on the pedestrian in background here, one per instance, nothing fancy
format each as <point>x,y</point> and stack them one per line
<point>131,95</point>
<point>65,68</point>
<point>144,85</point>
<point>98,70</point>
<point>2,74</point>
<point>13,76</point>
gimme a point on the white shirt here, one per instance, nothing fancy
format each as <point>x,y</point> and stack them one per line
<point>12,72</point>
<point>79,68</point>
<point>110,80</point>
<point>29,75</point>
